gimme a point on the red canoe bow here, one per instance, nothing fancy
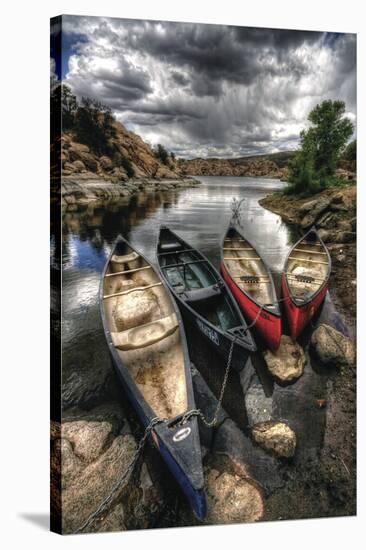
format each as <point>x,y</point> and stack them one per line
<point>251,282</point>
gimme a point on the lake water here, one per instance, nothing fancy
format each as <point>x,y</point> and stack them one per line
<point>200,215</point>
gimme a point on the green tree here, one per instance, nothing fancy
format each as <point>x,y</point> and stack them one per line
<point>330,133</point>
<point>320,147</point>
<point>94,126</point>
<point>162,154</point>
<point>350,152</point>
<point>69,107</point>
<point>124,162</point>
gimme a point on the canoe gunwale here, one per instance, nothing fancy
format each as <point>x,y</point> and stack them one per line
<point>247,345</point>
<point>277,311</point>
<point>162,430</point>
<point>312,297</point>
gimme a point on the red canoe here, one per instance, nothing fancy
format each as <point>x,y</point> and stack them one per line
<point>251,282</point>
<point>305,280</point>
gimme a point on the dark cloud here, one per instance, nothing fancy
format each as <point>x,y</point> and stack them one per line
<point>213,89</point>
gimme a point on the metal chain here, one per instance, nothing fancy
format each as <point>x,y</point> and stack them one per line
<point>103,505</point>
<point>193,412</point>
<point>198,412</point>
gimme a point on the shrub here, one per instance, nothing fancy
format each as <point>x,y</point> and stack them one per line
<point>162,154</point>
<point>125,163</point>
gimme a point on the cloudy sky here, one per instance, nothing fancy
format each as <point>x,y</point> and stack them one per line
<point>208,90</point>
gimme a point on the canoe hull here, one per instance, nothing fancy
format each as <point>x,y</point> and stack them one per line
<point>196,498</point>
<point>219,339</point>
<point>183,458</point>
<point>300,316</point>
<point>268,325</point>
<point>216,339</point>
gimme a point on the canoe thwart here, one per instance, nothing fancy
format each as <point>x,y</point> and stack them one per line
<point>137,288</point>
<point>202,294</point>
<point>307,260</point>
<point>241,258</point>
<point>304,278</point>
<point>252,279</point>
<point>235,248</point>
<point>308,251</point>
<point>182,264</point>
<point>127,271</point>
<point>181,251</point>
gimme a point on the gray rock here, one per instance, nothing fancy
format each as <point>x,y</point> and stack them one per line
<point>313,209</point>
<point>276,437</point>
<point>288,362</point>
<point>331,347</point>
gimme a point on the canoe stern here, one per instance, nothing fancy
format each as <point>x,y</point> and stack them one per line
<point>268,325</point>
<point>300,315</point>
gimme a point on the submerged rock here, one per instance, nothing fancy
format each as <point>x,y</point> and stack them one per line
<point>288,362</point>
<point>331,347</point>
<point>276,437</point>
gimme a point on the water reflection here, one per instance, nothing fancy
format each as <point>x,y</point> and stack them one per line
<point>200,215</point>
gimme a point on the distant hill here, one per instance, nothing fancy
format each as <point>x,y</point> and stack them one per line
<point>270,165</point>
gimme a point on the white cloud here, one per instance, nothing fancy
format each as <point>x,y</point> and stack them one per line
<point>202,91</point>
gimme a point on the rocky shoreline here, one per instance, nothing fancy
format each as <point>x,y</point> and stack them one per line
<point>334,213</point>
<point>260,468</point>
<point>84,189</point>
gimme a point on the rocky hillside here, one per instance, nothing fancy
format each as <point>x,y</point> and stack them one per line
<point>131,152</point>
<point>274,166</point>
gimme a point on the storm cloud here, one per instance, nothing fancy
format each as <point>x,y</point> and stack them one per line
<point>209,90</point>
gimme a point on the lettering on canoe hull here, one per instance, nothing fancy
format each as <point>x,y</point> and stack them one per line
<point>211,334</point>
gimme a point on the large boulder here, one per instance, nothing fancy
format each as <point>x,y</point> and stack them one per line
<point>331,347</point>
<point>78,151</point>
<point>275,437</point>
<point>106,163</point>
<point>79,166</point>
<point>288,362</point>
<point>312,210</point>
<point>232,498</point>
<point>94,450</point>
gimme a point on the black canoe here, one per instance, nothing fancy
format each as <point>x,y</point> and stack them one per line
<point>146,339</point>
<point>203,297</point>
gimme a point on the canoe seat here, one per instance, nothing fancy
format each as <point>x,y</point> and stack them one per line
<point>250,279</point>
<point>124,259</point>
<point>202,294</point>
<point>304,278</point>
<point>145,335</point>
<point>167,247</point>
